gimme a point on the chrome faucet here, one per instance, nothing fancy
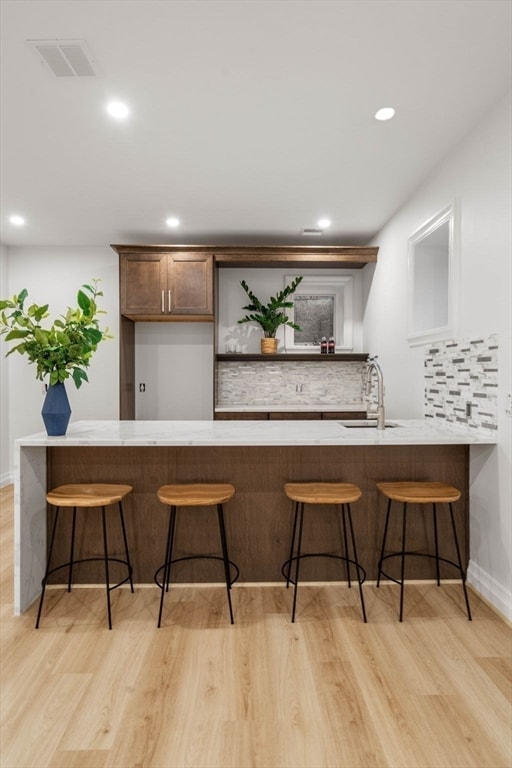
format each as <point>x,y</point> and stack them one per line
<point>374,366</point>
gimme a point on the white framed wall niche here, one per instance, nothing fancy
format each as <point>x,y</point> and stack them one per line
<point>433,278</point>
<point>323,307</point>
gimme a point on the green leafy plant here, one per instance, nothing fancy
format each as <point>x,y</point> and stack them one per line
<point>273,314</point>
<point>64,349</point>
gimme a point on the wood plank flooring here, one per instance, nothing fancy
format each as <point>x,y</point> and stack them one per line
<point>325,692</point>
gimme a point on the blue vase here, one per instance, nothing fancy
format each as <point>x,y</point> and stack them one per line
<point>56,410</point>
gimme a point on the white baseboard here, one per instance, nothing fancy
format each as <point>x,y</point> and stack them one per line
<point>495,593</point>
<point>6,479</point>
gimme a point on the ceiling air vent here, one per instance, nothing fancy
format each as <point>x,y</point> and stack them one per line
<point>65,58</point>
<point>312,231</point>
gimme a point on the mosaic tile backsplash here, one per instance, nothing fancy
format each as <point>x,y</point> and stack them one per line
<point>461,382</point>
<point>255,383</point>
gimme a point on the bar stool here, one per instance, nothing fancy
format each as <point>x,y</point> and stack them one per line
<point>195,495</point>
<point>88,496</point>
<point>420,493</point>
<point>339,494</point>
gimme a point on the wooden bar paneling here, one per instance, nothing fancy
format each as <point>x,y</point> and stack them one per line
<point>258,518</point>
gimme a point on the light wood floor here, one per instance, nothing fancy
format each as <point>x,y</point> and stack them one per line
<point>326,691</point>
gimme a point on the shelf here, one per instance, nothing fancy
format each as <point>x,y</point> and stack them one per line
<point>347,257</point>
<point>305,357</point>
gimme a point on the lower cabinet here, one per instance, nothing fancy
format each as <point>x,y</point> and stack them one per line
<point>240,416</point>
<point>345,415</point>
<point>294,415</point>
<point>287,415</point>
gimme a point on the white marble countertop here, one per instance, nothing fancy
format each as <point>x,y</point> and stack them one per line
<point>247,433</point>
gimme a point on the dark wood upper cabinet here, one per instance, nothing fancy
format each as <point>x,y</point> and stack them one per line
<point>190,280</point>
<point>176,283</point>
<point>166,286</point>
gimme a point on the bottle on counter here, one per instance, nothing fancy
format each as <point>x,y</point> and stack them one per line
<point>323,346</point>
<point>331,346</point>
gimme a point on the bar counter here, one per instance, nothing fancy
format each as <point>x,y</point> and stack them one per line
<point>258,457</point>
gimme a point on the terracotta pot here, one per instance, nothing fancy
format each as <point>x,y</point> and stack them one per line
<point>268,346</point>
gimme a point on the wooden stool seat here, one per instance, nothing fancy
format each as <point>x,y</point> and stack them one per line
<point>88,496</point>
<point>195,495</point>
<point>341,495</point>
<point>420,493</point>
<point>323,493</point>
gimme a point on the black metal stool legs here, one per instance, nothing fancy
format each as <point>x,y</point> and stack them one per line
<point>345,540</point>
<point>47,571</point>
<point>127,553</point>
<point>402,563</point>
<point>168,559</point>
<point>292,543</point>
<point>224,546</point>
<point>72,550</point>
<point>402,553</point>
<point>105,558</point>
<point>165,569</point>
<point>356,558</point>
<point>459,560</point>
<point>298,556</point>
<point>383,548</point>
<point>436,544</point>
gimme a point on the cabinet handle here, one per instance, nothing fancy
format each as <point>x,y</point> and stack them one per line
<point>163,301</point>
<point>169,300</point>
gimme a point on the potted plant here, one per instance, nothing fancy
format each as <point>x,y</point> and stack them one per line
<point>271,315</point>
<point>61,351</point>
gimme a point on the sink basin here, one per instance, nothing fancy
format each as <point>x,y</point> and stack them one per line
<point>365,424</point>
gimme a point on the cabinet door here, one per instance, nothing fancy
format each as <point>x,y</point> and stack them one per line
<point>143,284</point>
<point>190,283</point>
<point>241,416</point>
<point>345,415</point>
<point>294,415</point>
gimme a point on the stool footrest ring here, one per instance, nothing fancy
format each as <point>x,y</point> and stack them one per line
<point>286,567</point>
<point>161,585</point>
<point>414,554</point>
<point>94,560</point>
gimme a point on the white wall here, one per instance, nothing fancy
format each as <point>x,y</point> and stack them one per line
<point>174,362</point>
<point>5,476</point>
<point>478,176</point>
<point>53,276</point>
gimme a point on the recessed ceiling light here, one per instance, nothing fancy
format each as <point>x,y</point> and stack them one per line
<point>18,221</point>
<point>118,110</point>
<point>385,113</point>
<point>324,223</point>
<point>172,221</point>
